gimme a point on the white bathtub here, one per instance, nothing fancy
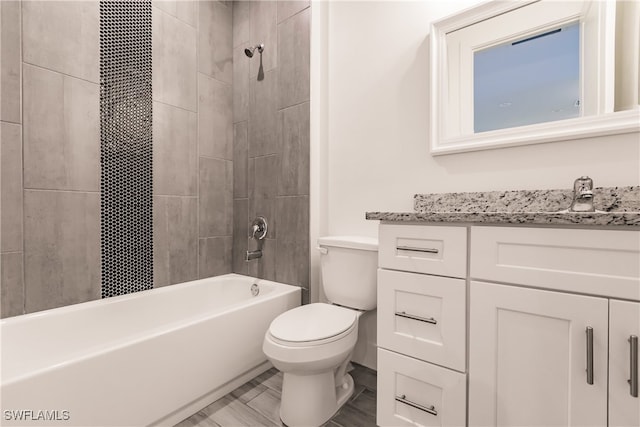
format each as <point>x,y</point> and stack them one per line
<point>149,358</point>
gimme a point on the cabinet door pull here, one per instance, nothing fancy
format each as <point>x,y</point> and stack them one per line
<point>428,409</point>
<point>418,318</point>
<point>633,364</point>
<point>589,355</point>
<point>414,249</point>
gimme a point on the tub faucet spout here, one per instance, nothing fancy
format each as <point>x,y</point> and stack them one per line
<point>250,255</point>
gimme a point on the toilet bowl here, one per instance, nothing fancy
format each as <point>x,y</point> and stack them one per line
<point>312,344</point>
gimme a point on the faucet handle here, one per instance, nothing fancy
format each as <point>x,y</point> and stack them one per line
<point>259,228</point>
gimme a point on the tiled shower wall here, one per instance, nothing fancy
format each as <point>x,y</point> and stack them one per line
<point>271,137</point>
<point>50,148</point>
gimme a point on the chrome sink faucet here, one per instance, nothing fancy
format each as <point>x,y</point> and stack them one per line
<point>582,195</point>
<point>258,232</point>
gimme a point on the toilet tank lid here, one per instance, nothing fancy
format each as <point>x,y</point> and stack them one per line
<point>350,242</point>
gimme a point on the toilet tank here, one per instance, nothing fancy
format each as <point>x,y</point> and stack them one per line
<point>349,266</point>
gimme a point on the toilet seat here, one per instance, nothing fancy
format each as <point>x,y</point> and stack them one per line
<point>312,325</point>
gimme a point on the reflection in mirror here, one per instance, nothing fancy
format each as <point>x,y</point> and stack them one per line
<point>531,80</point>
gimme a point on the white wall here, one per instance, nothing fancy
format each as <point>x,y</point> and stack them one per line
<point>375,98</point>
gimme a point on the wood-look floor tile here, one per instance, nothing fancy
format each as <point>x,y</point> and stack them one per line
<point>229,411</point>
<point>268,404</point>
<point>364,376</point>
<point>248,391</point>
<point>350,416</point>
<point>198,419</point>
<point>366,402</point>
<point>272,379</point>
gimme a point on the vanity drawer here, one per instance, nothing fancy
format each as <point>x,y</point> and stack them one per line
<point>423,249</point>
<point>423,316</point>
<point>597,262</point>
<point>412,392</point>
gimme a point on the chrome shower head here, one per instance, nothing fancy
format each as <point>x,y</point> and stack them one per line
<point>249,51</point>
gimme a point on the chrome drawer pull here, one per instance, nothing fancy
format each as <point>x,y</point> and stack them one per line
<point>633,352</point>
<point>589,332</point>
<point>413,249</point>
<point>418,318</point>
<point>428,409</point>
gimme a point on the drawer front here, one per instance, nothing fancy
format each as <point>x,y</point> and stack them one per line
<point>424,249</point>
<point>598,262</point>
<point>412,392</point>
<point>423,316</point>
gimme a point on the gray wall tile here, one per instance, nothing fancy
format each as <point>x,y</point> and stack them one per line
<point>293,241</point>
<point>263,190</point>
<point>240,160</point>
<point>263,116</point>
<point>11,284</point>
<point>184,10</point>
<point>61,131</point>
<point>214,256</point>
<point>240,85</point>
<point>215,40</point>
<point>10,72</point>
<point>11,191</point>
<point>215,118</point>
<point>294,165</point>
<point>174,61</point>
<point>292,258</point>
<point>62,248</point>
<point>175,151</point>
<point>63,36</point>
<point>293,59</point>
<point>290,8</point>
<point>215,197</point>
<point>241,12</point>
<point>240,233</point>
<point>263,29</point>
<point>175,240</point>
<point>265,267</point>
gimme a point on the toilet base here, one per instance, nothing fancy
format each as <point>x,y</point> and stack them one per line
<point>311,400</point>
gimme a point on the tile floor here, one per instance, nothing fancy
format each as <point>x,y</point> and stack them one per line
<point>256,404</point>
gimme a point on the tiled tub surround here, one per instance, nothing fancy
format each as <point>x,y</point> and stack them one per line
<point>50,115</point>
<point>171,352</point>
<point>614,205</point>
<point>271,138</point>
<point>226,145</point>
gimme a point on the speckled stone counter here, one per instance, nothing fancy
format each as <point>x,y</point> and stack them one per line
<point>616,206</point>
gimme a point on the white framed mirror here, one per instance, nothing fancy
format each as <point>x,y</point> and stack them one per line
<point>526,72</point>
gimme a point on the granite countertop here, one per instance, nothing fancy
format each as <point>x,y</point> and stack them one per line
<point>618,206</point>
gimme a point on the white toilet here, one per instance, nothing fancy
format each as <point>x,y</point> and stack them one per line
<point>312,344</point>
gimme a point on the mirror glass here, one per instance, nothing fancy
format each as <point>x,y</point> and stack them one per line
<point>532,80</point>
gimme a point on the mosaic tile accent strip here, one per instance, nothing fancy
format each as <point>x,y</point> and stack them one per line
<point>126,147</point>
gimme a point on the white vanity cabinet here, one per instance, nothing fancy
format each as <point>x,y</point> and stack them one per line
<point>422,325</point>
<point>551,317</point>
<point>548,345</point>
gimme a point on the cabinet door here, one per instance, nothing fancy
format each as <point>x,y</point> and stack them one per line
<point>528,357</point>
<point>416,393</point>
<point>624,322</point>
